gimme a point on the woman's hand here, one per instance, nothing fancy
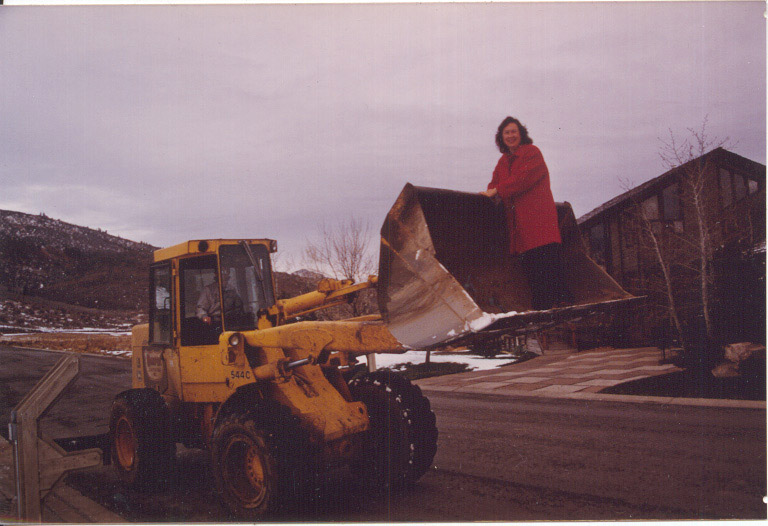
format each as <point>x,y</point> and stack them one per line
<point>491,192</point>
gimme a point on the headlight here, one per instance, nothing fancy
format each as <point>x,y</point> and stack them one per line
<point>235,339</point>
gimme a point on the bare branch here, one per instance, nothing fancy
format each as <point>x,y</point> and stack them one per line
<point>343,252</point>
<point>346,249</point>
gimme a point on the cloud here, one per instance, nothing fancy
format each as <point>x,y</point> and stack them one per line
<point>175,122</point>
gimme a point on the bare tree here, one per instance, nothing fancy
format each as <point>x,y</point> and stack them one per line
<point>679,253</point>
<point>343,251</point>
<point>283,261</point>
<point>653,238</point>
<point>695,176</point>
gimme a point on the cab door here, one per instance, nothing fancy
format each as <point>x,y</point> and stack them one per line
<point>204,377</point>
<point>155,363</point>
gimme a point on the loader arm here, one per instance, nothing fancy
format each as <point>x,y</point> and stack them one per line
<point>329,293</point>
<point>313,337</point>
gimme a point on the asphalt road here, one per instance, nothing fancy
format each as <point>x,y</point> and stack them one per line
<point>652,460</point>
<point>499,458</point>
<point>83,408</point>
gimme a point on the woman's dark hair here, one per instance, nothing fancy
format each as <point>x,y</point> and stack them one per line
<point>524,137</point>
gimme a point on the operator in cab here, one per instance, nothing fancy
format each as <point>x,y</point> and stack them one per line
<point>209,307</point>
<point>521,182</point>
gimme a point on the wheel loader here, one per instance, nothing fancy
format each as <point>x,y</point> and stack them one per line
<point>276,400</point>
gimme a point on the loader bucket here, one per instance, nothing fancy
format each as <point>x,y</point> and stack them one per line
<point>445,272</point>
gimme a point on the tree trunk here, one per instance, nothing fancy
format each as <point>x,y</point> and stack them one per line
<point>668,284</point>
<point>705,266</point>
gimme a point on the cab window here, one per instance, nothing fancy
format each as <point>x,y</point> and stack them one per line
<point>160,305</point>
<point>247,288</point>
<point>199,296</point>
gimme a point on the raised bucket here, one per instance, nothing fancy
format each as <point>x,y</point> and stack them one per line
<point>445,272</point>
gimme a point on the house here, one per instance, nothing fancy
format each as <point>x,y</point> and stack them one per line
<point>627,234</point>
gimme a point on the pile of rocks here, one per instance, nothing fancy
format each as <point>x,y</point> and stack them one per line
<point>742,359</point>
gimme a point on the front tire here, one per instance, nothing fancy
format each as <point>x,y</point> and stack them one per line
<point>259,460</point>
<point>382,462</point>
<point>244,467</point>
<point>416,413</point>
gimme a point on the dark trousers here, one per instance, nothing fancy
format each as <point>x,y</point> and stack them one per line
<point>544,268</point>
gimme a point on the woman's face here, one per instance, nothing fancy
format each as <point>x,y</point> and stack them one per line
<point>511,136</point>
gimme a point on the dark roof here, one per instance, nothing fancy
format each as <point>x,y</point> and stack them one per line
<point>741,162</point>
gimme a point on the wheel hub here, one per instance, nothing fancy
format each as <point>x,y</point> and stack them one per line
<point>254,468</point>
<point>125,443</point>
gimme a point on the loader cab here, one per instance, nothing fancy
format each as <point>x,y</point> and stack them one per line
<point>221,285</point>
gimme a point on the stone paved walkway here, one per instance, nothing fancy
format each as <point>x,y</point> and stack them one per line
<point>576,375</point>
<point>584,372</point>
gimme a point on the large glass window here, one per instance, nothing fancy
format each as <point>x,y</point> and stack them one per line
<point>739,187</point>
<point>671,203</point>
<point>753,186</point>
<point>247,288</point>
<point>629,243</point>
<point>160,305</point>
<point>615,240</point>
<point>651,208</point>
<point>726,190</point>
<point>597,242</point>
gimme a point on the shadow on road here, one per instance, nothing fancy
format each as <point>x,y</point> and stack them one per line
<point>190,496</point>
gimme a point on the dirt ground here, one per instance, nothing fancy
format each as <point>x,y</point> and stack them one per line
<point>109,344</point>
<point>750,385</point>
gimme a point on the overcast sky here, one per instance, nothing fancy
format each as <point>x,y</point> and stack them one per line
<point>167,123</point>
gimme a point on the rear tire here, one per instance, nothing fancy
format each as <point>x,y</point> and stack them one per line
<point>141,447</point>
<point>416,412</point>
<point>259,459</point>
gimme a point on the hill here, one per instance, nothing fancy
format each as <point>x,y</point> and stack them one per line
<point>309,274</point>
<point>76,265</point>
<point>56,274</point>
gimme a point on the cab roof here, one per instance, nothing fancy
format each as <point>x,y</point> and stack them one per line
<point>206,246</point>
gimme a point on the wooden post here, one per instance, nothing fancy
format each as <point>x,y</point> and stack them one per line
<point>371,358</point>
<point>39,462</point>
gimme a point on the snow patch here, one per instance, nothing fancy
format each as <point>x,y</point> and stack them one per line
<point>115,352</point>
<point>9,330</point>
<point>474,362</point>
<point>486,319</point>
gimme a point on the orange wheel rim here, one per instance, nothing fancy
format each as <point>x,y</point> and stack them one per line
<point>125,442</point>
<point>244,471</point>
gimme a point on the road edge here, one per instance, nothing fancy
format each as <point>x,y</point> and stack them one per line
<point>662,400</point>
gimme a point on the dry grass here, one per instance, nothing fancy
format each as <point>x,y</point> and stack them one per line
<point>116,345</point>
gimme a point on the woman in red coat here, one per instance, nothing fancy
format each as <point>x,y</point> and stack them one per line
<point>521,181</point>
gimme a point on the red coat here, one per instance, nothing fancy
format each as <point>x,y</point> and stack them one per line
<point>522,181</point>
